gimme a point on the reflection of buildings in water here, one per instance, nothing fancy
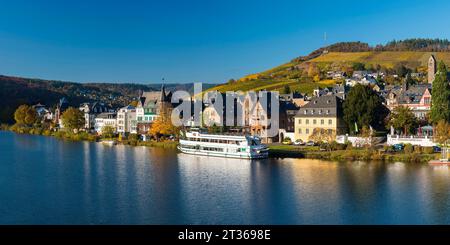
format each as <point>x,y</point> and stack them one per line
<point>87,174</point>
<point>440,194</point>
<point>222,182</point>
<point>314,190</point>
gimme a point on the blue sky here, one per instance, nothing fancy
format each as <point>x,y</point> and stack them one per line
<point>193,40</point>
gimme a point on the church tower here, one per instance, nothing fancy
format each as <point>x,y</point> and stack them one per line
<point>431,68</point>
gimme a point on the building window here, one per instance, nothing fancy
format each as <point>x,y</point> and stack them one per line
<point>314,121</point>
<point>299,121</point>
<point>299,130</point>
<point>307,121</point>
<point>330,121</point>
<point>307,131</point>
<point>328,112</point>
<point>322,122</point>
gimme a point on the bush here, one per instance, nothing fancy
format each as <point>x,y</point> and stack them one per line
<point>387,148</point>
<point>408,148</point>
<point>418,149</point>
<point>428,150</point>
<point>46,132</point>
<point>349,146</point>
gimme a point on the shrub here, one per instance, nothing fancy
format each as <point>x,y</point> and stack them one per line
<point>428,150</point>
<point>408,149</point>
<point>418,149</point>
<point>46,132</point>
<point>349,146</point>
<point>387,148</point>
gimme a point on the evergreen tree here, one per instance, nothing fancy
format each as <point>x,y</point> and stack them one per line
<point>363,107</point>
<point>440,106</point>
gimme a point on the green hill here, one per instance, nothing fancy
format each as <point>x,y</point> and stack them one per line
<point>305,73</point>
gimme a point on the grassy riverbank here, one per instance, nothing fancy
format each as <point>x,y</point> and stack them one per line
<point>84,136</point>
<point>314,152</point>
<point>340,153</point>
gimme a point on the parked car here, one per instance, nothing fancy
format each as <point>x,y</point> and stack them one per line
<point>398,147</point>
<point>287,142</point>
<point>299,142</point>
<point>437,149</point>
<point>310,143</point>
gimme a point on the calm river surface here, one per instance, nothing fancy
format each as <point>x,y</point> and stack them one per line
<point>44,180</point>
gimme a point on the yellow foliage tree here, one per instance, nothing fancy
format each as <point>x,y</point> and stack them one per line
<point>442,132</point>
<point>163,125</point>
<point>323,135</point>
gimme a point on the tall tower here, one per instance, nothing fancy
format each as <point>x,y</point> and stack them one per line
<point>431,68</point>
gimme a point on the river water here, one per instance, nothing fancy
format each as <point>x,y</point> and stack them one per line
<point>44,180</point>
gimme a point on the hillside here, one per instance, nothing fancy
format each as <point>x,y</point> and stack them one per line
<point>15,91</point>
<point>305,73</point>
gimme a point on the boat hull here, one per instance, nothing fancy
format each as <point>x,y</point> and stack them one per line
<point>224,154</point>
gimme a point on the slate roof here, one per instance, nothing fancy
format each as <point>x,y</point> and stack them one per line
<point>323,106</point>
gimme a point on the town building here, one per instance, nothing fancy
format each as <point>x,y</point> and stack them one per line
<point>43,112</point>
<point>415,97</point>
<point>322,113</point>
<point>150,105</point>
<point>339,90</point>
<point>287,113</point>
<point>105,119</point>
<point>432,68</point>
<point>296,98</point>
<point>62,105</point>
<point>126,120</point>
<point>90,111</point>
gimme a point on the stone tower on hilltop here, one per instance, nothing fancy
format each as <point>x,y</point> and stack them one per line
<point>432,64</point>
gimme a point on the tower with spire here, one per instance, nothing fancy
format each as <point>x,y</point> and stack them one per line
<point>432,68</point>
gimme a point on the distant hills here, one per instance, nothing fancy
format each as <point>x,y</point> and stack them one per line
<point>15,91</point>
<point>305,73</point>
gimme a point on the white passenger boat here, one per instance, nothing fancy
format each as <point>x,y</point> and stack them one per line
<point>223,145</point>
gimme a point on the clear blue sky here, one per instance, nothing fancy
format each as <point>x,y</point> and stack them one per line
<point>191,40</point>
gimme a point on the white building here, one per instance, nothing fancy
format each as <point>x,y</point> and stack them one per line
<point>105,119</point>
<point>126,120</point>
<point>91,110</point>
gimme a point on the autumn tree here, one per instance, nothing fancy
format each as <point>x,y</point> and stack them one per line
<point>73,119</point>
<point>403,119</point>
<point>134,103</point>
<point>25,115</point>
<point>442,132</point>
<point>323,135</point>
<point>163,125</point>
<point>108,132</point>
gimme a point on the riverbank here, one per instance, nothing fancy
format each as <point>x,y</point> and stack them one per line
<point>314,152</point>
<point>84,136</point>
<point>275,151</point>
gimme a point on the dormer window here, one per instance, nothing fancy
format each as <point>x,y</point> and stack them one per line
<point>320,112</point>
<point>312,112</point>
<point>306,111</point>
<point>328,101</point>
<point>328,112</point>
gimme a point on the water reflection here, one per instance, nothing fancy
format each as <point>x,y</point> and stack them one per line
<point>47,181</point>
